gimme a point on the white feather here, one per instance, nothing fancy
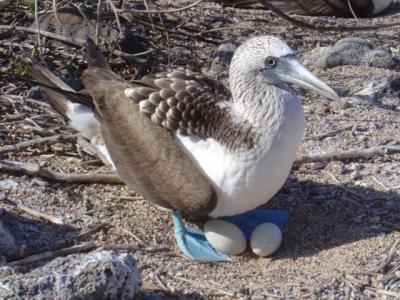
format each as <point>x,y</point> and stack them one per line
<point>245,180</point>
<point>81,118</point>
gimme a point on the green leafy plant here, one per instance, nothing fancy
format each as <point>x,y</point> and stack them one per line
<point>19,67</point>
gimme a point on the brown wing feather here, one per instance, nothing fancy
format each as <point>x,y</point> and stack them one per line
<point>146,156</point>
<point>187,105</point>
<point>313,7</point>
<point>191,105</point>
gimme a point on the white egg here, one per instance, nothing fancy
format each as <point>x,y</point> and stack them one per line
<point>225,237</point>
<point>266,239</point>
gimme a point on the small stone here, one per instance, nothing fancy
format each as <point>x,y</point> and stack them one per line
<point>36,181</point>
<point>225,237</point>
<point>375,126</point>
<point>9,184</point>
<point>291,199</point>
<point>356,167</point>
<point>355,174</point>
<point>266,239</point>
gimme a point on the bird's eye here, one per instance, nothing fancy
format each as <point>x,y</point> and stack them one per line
<point>270,62</point>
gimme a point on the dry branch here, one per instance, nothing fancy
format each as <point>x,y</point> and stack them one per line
<point>33,212</point>
<point>162,11</point>
<point>330,133</point>
<point>77,42</point>
<point>131,247</point>
<point>92,150</point>
<point>349,154</point>
<point>38,141</point>
<point>52,254</point>
<point>32,169</point>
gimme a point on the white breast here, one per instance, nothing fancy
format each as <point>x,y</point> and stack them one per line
<point>247,179</point>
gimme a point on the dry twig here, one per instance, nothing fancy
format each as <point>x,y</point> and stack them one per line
<point>39,39</point>
<point>32,169</point>
<point>78,42</point>
<point>33,212</point>
<point>92,150</point>
<point>38,141</point>
<point>52,254</point>
<point>162,11</point>
<point>330,133</point>
<point>391,254</point>
<point>134,247</point>
<point>349,154</point>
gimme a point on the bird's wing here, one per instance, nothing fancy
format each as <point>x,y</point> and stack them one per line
<point>341,8</point>
<point>187,105</point>
<point>146,155</point>
<point>313,7</point>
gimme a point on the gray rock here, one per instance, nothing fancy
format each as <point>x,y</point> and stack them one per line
<point>96,275</point>
<point>7,240</point>
<point>356,52</point>
<point>381,85</point>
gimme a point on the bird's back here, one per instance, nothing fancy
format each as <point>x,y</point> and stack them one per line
<point>146,156</point>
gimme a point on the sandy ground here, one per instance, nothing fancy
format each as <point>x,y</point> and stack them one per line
<point>345,215</point>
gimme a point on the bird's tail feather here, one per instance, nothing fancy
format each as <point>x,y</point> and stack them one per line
<point>94,56</point>
<point>76,107</point>
<point>49,83</point>
<point>60,95</point>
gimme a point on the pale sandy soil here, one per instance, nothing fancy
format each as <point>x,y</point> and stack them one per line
<point>345,215</point>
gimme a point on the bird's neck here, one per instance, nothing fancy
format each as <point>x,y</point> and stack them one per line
<point>262,105</point>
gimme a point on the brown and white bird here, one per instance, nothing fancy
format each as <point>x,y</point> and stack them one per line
<point>340,8</point>
<point>188,143</point>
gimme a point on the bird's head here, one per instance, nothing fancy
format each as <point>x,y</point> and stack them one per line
<point>269,60</point>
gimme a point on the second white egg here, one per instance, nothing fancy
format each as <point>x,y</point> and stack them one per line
<point>266,239</point>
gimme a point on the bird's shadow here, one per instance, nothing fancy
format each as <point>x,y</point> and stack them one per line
<point>392,10</point>
<point>325,216</point>
<point>36,235</point>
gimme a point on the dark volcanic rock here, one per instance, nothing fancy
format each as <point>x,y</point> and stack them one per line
<point>96,275</point>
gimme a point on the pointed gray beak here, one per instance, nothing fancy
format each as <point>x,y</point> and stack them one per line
<point>292,71</point>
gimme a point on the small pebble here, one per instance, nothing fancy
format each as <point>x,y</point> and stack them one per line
<point>225,237</point>
<point>266,239</point>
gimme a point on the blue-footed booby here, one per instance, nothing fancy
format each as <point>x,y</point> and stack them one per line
<point>340,8</point>
<point>188,143</point>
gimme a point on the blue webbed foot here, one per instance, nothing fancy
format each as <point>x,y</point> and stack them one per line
<point>193,243</point>
<point>248,221</point>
